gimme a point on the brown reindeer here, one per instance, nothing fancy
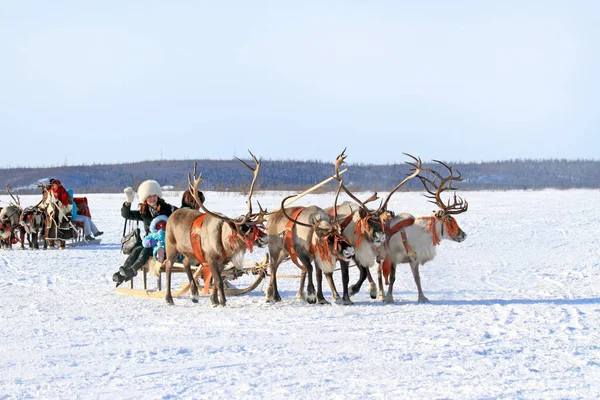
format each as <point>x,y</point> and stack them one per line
<point>364,229</point>
<point>306,234</point>
<point>418,238</point>
<point>33,221</point>
<point>211,239</point>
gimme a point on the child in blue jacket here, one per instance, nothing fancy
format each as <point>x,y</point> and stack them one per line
<point>156,238</point>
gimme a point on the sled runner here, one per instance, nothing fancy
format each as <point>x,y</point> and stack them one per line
<point>257,269</point>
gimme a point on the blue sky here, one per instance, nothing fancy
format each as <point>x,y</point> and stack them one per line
<point>125,81</point>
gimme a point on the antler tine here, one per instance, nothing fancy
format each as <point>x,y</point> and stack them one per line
<point>17,200</point>
<point>194,189</point>
<point>338,162</point>
<point>416,171</point>
<point>372,198</point>
<point>193,186</point>
<point>335,206</point>
<point>458,206</point>
<point>260,217</point>
<point>255,172</point>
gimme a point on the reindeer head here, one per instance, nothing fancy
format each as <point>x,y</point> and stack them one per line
<point>435,187</point>
<point>328,240</point>
<point>5,228</point>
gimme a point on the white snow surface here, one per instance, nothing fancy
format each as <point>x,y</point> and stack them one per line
<point>514,313</point>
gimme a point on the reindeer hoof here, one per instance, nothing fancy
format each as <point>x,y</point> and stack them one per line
<point>170,302</point>
<point>423,299</point>
<point>322,301</point>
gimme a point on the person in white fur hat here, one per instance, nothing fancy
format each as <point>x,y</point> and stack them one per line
<point>151,205</point>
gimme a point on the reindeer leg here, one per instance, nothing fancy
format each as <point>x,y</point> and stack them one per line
<point>363,275</point>
<point>334,293</point>
<point>168,270</point>
<point>320,298</point>
<point>372,285</point>
<point>345,280</point>
<point>414,267</point>
<point>389,298</point>
<point>22,232</point>
<point>300,293</point>
<point>311,294</point>
<point>272,295</point>
<point>193,285</point>
<point>218,294</point>
<point>380,294</point>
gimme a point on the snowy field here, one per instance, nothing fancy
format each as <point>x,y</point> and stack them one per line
<point>514,313</point>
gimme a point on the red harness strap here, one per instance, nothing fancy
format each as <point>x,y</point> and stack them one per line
<point>289,241</point>
<point>390,231</point>
<point>197,248</point>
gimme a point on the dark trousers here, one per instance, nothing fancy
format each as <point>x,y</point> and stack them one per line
<point>138,257</point>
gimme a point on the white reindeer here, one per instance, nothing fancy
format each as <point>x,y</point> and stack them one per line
<point>414,240</point>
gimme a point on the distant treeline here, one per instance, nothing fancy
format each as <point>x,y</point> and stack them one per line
<point>231,175</point>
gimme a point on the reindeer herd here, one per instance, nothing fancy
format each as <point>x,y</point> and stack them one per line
<point>316,238</point>
<point>41,222</point>
<point>311,237</point>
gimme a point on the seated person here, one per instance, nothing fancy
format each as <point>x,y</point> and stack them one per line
<point>156,237</point>
<point>89,227</point>
<point>59,195</point>
<point>151,205</point>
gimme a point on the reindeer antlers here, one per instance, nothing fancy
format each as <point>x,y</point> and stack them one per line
<point>435,190</point>
<point>338,162</point>
<point>416,170</point>
<point>16,200</point>
<point>256,218</point>
<point>255,176</point>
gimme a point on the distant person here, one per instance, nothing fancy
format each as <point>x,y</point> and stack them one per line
<point>89,227</point>
<point>152,205</point>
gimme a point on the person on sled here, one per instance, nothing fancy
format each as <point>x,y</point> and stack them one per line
<point>156,238</point>
<point>151,206</point>
<point>89,227</point>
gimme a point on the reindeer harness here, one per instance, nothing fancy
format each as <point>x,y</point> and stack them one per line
<point>197,248</point>
<point>390,231</point>
<point>289,240</point>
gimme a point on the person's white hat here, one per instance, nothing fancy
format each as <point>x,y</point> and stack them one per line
<point>148,188</point>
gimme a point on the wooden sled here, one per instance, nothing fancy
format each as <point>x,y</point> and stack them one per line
<point>258,269</point>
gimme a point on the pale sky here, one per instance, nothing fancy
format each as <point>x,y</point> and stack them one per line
<point>117,81</point>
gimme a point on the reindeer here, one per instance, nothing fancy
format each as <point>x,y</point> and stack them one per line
<point>33,220</point>
<point>419,237</point>
<point>9,222</point>
<point>212,239</point>
<point>364,229</point>
<point>306,234</point>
